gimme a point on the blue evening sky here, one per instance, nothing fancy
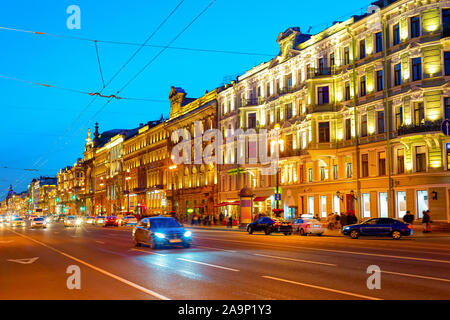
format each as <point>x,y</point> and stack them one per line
<point>35,117</point>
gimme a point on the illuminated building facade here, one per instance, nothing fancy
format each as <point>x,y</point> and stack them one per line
<point>145,162</point>
<point>192,188</point>
<point>360,107</point>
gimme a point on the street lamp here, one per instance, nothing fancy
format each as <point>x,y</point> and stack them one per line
<point>279,143</point>
<point>172,168</point>
<point>128,178</point>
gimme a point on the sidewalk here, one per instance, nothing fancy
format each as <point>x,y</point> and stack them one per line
<point>328,233</point>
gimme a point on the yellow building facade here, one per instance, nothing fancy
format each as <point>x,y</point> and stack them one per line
<point>360,107</point>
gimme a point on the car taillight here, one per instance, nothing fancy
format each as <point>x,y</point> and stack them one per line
<point>409,226</point>
<point>277,224</point>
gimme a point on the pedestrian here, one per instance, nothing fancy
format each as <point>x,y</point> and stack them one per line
<point>408,218</point>
<point>426,221</point>
<point>214,220</point>
<point>337,218</point>
<point>343,219</point>
<point>230,222</point>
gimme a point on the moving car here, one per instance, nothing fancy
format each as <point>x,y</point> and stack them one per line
<point>270,225</point>
<point>100,220</point>
<point>111,221</point>
<point>72,221</point>
<point>379,227</point>
<point>160,231</point>
<point>128,221</point>
<point>90,220</point>
<point>307,225</point>
<point>17,222</point>
<point>38,222</point>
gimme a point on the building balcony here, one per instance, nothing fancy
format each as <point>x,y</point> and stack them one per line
<point>427,126</point>
<point>319,73</point>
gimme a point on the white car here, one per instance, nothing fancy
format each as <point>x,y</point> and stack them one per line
<point>17,222</point>
<point>128,220</point>
<point>305,226</point>
<point>38,222</point>
<point>72,221</point>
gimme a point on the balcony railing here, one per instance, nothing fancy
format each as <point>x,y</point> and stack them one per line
<point>319,72</point>
<point>427,126</point>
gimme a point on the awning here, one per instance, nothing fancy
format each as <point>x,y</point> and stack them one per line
<point>222,204</point>
<point>235,203</point>
<point>260,199</point>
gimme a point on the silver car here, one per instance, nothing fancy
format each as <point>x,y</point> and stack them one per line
<point>38,222</point>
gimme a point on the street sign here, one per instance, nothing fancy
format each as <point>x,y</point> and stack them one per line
<point>277,196</point>
<point>446,127</point>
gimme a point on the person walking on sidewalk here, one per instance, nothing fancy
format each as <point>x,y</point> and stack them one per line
<point>230,222</point>
<point>408,218</point>
<point>426,221</point>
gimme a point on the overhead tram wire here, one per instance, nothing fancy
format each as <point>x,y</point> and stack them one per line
<point>79,91</point>
<point>143,69</point>
<point>146,45</point>
<point>106,85</point>
<point>99,63</point>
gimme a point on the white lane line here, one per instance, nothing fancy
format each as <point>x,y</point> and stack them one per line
<point>214,248</point>
<point>101,242</point>
<point>337,251</point>
<point>296,260</point>
<point>129,283</point>
<point>207,264</point>
<point>323,288</point>
<point>415,276</point>
<point>158,254</point>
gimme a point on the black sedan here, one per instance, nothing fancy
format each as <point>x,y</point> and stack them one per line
<point>270,225</point>
<point>157,232</point>
<point>379,227</point>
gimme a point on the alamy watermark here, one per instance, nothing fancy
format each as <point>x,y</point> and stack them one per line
<point>74,20</point>
<point>74,280</point>
<point>374,280</point>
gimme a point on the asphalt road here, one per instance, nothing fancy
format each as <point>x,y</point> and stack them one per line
<point>219,266</point>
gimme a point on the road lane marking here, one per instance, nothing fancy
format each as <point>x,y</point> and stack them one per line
<point>158,254</point>
<point>101,242</point>
<point>24,261</point>
<point>415,276</point>
<point>323,288</point>
<point>196,246</point>
<point>207,264</point>
<point>297,260</point>
<point>6,241</point>
<point>336,251</point>
<point>127,282</point>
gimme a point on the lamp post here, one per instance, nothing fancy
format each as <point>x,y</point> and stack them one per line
<point>279,143</point>
<point>128,178</point>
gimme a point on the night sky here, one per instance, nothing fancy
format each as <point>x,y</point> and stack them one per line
<point>37,122</point>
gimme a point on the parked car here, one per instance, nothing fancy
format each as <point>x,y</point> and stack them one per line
<point>308,225</point>
<point>379,227</point>
<point>111,221</point>
<point>160,231</point>
<point>270,225</point>
<point>100,220</point>
<point>72,221</point>
<point>128,221</point>
<point>38,222</point>
<point>17,222</point>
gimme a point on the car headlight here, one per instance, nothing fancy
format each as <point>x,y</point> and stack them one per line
<point>160,235</point>
<point>347,228</point>
<point>78,221</point>
<point>187,234</point>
